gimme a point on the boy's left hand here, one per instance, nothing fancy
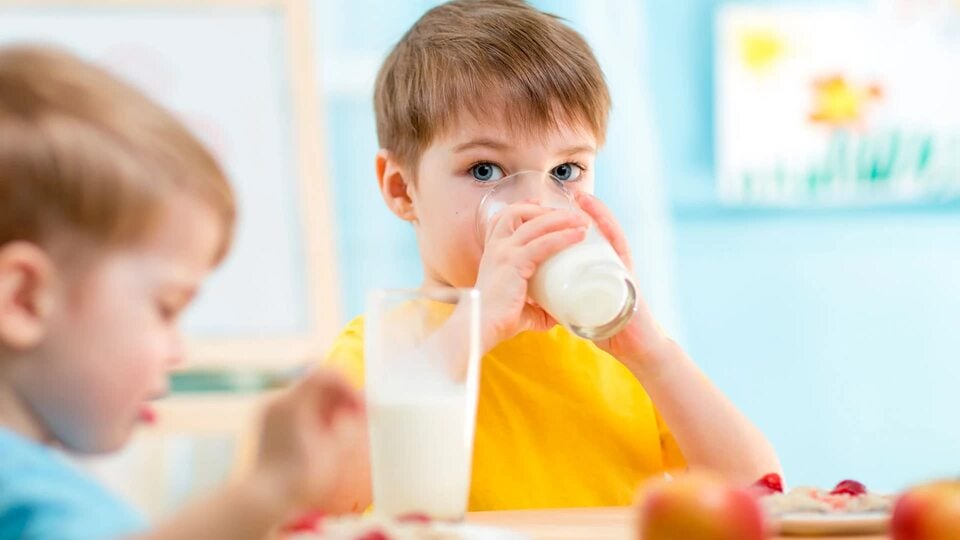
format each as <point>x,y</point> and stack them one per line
<point>310,439</point>
<point>637,344</point>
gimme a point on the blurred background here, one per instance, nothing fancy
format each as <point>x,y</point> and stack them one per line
<point>787,172</point>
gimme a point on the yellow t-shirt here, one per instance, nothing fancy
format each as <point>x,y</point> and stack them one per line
<point>560,423</point>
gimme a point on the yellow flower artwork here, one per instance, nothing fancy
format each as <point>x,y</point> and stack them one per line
<point>761,48</point>
<point>837,102</point>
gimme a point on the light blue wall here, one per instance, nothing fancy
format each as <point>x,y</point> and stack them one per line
<point>836,331</point>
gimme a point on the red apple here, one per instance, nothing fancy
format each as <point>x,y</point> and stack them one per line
<point>928,512</point>
<point>696,506</point>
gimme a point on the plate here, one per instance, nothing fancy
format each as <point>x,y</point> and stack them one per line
<point>817,524</point>
<point>459,531</point>
<point>469,531</point>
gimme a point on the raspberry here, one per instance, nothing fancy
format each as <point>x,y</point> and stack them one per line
<point>375,534</point>
<point>771,482</point>
<point>309,522</point>
<point>849,487</point>
<point>414,517</point>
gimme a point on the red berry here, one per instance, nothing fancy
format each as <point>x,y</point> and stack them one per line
<point>375,534</point>
<point>414,517</point>
<point>849,487</point>
<point>771,482</point>
<point>309,522</point>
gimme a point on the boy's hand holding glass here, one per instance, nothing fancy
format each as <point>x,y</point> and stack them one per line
<point>518,240</point>
<point>547,261</point>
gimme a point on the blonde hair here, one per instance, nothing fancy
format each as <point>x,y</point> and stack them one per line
<point>81,151</point>
<point>480,55</point>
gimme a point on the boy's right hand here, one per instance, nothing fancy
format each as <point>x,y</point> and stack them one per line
<point>309,435</point>
<point>520,238</point>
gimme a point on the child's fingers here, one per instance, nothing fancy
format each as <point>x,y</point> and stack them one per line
<point>606,223</point>
<point>547,223</point>
<point>541,318</point>
<point>346,430</point>
<point>544,247</point>
<point>508,220</point>
<point>330,394</point>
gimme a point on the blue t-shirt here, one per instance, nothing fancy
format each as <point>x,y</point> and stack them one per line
<point>42,496</point>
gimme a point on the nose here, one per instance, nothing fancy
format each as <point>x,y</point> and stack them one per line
<point>529,186</point>
<point>546,188</point>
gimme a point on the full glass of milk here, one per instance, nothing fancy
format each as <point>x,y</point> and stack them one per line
<point>422,356</point>
<point>585,287</point>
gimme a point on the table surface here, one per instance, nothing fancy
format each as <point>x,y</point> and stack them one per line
<point>581,524</point>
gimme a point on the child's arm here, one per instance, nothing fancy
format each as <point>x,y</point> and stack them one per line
<point>709,429</point>
<point>712,433</point>
<point>308,432</point>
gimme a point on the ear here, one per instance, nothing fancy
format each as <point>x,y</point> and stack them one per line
<point>395,185</point>
<point>26,294</point>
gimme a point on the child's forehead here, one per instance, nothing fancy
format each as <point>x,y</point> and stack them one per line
<point>182,243</point>
<point>494,128</point>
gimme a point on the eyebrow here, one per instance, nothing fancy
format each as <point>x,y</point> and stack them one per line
<point>578,149</point>
<point>500,145</point>
<point>481,143</point>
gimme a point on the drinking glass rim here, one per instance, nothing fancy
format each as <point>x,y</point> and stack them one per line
<point>497,185</point>
<point>434,292</point>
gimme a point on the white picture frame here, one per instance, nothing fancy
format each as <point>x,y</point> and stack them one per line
<point>837,105</point>
<point>275,303</point>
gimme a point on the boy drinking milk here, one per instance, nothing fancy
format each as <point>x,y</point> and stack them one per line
<point>476,91</point>
<point>111,216</point>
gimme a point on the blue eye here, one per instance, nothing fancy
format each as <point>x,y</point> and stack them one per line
<point>486,172</point>
<point>567,172</point>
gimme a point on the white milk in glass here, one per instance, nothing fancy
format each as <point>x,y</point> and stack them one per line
<point>422,373</point>
<point>584,286</point>
<point>421,450</point>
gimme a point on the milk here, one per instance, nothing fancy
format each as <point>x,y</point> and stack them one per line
<point>585,286</point>
<point>421,450</point>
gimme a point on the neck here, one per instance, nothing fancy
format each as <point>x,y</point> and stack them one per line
<point>15,413</point>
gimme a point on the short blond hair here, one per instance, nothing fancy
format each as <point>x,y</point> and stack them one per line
<point>480,55</point>
<point>81,151</point>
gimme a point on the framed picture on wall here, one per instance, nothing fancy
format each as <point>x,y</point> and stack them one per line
<point>240,74</point>
<point>838,105</point>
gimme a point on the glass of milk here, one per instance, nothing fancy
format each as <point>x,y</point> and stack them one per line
<point>585,287</point>
<point>422,356</point>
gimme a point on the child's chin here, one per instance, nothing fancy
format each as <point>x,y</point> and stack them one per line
<point>93,444</point>
<point>115,445</point>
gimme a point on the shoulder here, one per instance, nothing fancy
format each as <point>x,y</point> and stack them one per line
<point>44,496</point>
